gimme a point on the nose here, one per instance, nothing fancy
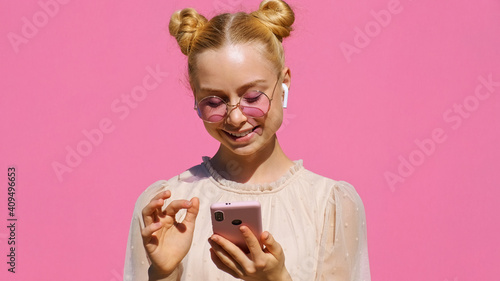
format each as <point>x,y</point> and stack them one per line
<point>235,116</point>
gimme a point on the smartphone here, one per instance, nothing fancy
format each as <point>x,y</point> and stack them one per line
<point>227,217</point>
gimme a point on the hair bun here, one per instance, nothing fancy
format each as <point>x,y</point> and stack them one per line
<point>277,16</point>
<point>184,26</point>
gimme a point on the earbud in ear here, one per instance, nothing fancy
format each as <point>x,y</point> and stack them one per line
<point>285,100</point>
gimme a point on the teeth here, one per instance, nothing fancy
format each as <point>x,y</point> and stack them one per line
<point>241,134</point>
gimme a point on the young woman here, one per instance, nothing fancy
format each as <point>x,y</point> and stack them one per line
<point>314,226</point>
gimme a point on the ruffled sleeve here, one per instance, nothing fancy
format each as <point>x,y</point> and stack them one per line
<point>344,251</point>
<point>136,259</point>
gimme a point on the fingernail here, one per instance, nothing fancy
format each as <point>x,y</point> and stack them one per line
<point>189,203</point>
<point>266,235</point>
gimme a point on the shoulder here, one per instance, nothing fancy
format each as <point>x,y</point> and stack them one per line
<point>321,182</point>
<point>335,190</point>
<point>182,180</point>
<point>345,189</point>
<point>316,179</point>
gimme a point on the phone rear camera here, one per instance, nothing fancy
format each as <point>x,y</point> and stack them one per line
<point>219,216</point>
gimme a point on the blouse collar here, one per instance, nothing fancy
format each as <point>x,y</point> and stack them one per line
<point>252,188</point>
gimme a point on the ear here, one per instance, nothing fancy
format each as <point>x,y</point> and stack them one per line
<point>286,74</point>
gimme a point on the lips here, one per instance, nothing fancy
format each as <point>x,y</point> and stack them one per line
<point>240,135</point>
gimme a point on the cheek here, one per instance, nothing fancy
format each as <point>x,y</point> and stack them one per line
<point>275,119</point>
<point>211,129</point>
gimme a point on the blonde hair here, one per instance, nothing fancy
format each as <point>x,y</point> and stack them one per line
<point>268,26</point>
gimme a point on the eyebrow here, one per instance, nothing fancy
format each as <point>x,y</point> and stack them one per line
<point>245,86</point>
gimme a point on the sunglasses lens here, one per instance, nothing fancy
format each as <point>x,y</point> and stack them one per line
<point>212,109</point>
<point>254,104</point>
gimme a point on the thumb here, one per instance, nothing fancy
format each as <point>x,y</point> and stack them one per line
<point>271,245</point>
<point>192,211</point>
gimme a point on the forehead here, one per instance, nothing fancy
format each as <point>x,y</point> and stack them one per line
<point>232,65</point>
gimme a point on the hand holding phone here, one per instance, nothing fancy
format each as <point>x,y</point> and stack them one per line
<point>228,217</point>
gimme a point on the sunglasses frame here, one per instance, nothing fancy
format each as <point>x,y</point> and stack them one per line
<point>228,106</point>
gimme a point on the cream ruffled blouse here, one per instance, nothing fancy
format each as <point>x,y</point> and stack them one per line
<point>319,222</point>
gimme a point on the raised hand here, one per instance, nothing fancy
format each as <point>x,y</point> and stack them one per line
<point>167,241</point>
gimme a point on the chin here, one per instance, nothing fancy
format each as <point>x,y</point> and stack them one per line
<point>243,150</point>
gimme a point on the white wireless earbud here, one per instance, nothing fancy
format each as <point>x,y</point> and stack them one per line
<point>285,100</point>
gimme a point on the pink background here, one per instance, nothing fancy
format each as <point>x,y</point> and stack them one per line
<point>412,78</point>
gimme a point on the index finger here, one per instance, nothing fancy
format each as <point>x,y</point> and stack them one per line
<point>150,209</point>
<point>253,243</point>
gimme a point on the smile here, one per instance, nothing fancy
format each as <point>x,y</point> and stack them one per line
<point>240,134</point>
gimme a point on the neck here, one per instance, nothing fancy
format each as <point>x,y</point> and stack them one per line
<point>266,165</point>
